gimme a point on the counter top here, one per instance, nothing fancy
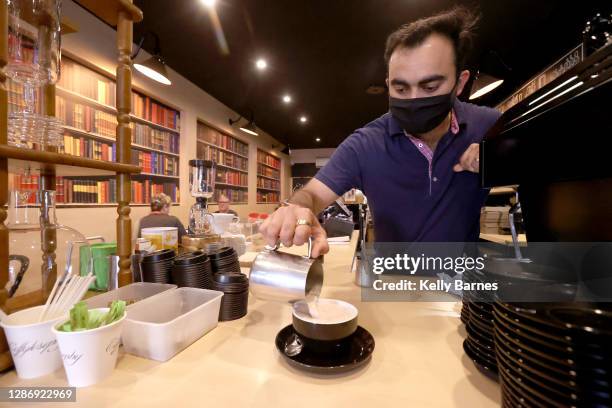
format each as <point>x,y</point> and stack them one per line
<point>418,361</point>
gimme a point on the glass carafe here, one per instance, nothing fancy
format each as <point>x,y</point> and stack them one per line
<point>34,60</point>
<point>50,249</point>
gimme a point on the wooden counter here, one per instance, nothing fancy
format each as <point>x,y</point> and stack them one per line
<point>418,361</point>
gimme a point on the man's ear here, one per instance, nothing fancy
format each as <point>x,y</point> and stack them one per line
<point>464,77</point>
<point>387,83</point>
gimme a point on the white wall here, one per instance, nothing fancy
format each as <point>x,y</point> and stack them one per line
<point>309,155</point>
<point>95,42</point>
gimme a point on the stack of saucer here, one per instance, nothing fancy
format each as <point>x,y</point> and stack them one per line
<point>156,266</point>
<point>192,269</point>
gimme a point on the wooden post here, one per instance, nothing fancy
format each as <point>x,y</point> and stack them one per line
<point>124,141</point>
<point>5,354</point>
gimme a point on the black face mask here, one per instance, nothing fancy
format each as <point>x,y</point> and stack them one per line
<point>420,115</point>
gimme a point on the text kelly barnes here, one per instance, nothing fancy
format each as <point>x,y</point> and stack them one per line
<point>433,285</point>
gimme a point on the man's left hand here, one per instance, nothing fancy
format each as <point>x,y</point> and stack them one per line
<point>469,159</point>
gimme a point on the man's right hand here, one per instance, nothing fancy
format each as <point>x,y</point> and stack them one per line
<point>283,225</point>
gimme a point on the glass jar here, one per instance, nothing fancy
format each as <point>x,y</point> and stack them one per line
<point>49,249</point>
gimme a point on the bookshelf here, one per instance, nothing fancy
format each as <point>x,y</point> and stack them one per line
<point>85,101</point>
<point>231,156</point>
<point>268,178</point>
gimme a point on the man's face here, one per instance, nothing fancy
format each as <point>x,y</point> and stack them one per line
<point>425,70</point>
<point>223,205</point>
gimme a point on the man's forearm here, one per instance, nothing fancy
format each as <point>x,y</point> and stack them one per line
<point>303,198</point>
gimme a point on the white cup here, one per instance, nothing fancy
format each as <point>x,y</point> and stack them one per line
<point>222,221</point>
<point>89,356</point>
<point>33,345</point>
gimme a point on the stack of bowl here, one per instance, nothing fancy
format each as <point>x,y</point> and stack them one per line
<point>224,260</point>
<point>235,288</point>
<point>192,269</point>
<point>156,266</point>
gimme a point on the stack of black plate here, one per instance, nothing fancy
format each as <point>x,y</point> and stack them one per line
<point>554,354</point>
<point>192,269</point>
<point>477,314</point>
<point>224,260</point>
<point>156,266</point>
<point>235,288</point>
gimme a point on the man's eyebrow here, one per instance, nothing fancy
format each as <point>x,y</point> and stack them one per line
<point>431,78</point>
<point>398,81</point>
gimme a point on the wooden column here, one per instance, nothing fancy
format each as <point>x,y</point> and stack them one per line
<point>124,140</point>
<point>5,355</point>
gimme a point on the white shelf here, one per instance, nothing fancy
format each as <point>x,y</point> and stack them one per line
<point>217,183</point>
<point>267,165</point>
<point>268,202</point>
<point>231,168</point>
<point>222,149</point>
<point>269,178</point>
<point>83,205</point>
<point>159,175</point>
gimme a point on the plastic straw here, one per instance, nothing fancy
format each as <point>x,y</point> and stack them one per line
<point>52,298</point>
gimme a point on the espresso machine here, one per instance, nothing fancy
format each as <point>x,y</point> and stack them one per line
<point>202,174</point>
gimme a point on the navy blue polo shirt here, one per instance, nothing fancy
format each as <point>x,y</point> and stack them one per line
<point>408,203</point>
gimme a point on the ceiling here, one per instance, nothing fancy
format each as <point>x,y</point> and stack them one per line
<point>327,53</point>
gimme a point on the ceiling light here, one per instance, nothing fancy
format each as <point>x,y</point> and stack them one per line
<point>318,139</point>
<point>209,3</point>
<point>249,128</point>
<point>154,67</point>
<point>261,64</point>
<point>484,84</point>
<point>303,119</point>
<point>287,99</point>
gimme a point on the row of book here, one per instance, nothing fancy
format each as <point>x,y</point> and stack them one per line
<point>155,138</point>
<point>213,136</point>
<point>263,157</point>
<point>267,197</point>
<point>90,84</point>
<point>220,157</point>
<point>86,147</point>
<point>146,108</point>
<point>267,172</point>
<point>235,196</point>
<point>267,183</point>
<point>86,82</point>
<point>71,190</point>
<point>157,163</point>
<point>232,177</point>
<point>85,117</point>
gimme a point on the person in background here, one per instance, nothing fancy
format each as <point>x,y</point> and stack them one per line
<point>160,216</point>
<point>224,205</point>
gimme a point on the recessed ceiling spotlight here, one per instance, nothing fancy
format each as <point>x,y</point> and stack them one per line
<point>318,139</point>
<point>209,3</point>
<point>261,64</point>
<point>303,119</point>
<point>287,99</point>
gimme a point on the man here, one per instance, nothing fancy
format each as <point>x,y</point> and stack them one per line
<point>224,205</point>
<point>417,164</point>
<point>160,216</point>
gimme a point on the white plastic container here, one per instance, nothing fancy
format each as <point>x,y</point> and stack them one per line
<point>160,327</point>
<point>131,293</point>
<point>33,345</point>
<point>89,356</point>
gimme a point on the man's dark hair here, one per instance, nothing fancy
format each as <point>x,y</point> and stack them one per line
<point>457,24</point>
